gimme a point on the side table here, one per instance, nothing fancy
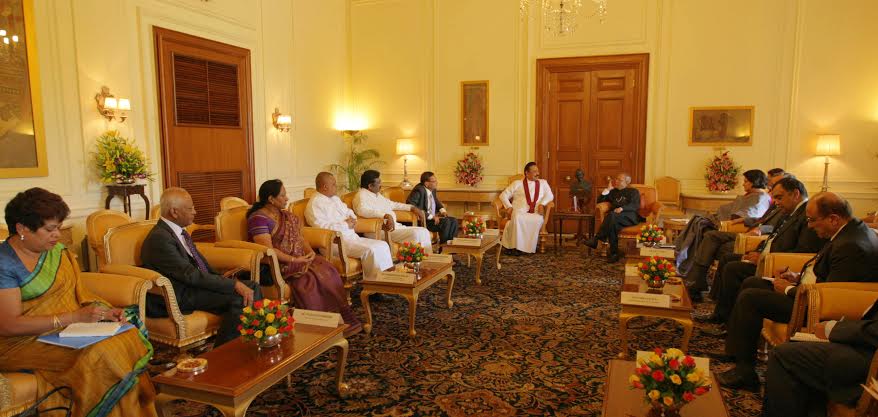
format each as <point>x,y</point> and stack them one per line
<point>558,218</point>
<point>126,191</point>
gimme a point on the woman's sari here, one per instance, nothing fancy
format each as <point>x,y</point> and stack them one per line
<point>107,378</point>
<point>319,287</point>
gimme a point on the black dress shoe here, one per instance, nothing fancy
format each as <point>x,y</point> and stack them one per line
<point>731,379</point>
<point>711,318</point>
<point>613,258</point>
<point>592,243</point>
<point>719,356</point>
<point>695,296</point>
<point>719,331</point>
<point>511,252</point>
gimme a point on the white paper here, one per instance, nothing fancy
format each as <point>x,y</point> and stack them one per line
<point>439,258</point>
<point>700,363</point>
<point>317,318</point>
<point>656,252</point>
<point>631,270</point>
<point>90,329</point>
<point>807,337</point>
<point>397,277</point>
<point>646,299</point>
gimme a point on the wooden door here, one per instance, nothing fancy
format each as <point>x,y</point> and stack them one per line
<point>590,114</point>
<point>204,100</point>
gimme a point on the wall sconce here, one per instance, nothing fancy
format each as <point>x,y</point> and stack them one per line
<point>827,145</point>
<point>281,122</point>
<point>405,147</point>
<point>350,125</point>
<point>111,107</point>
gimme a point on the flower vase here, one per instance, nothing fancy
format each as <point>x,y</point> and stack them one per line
<point>125,181</point>
<point>655,285</point>
<point>415,267</point>
<point>268,341</point>
<point>661,411</point>
<point>649,244</point>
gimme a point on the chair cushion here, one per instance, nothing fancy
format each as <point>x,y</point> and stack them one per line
<point>23,387</point>
<point>631,231</point>
<point>353,266</point>
<point>198,324</point>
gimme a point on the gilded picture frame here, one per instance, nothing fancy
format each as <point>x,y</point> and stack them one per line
<point>721,126</point>
<point>22,132</point>
<point>474,113</point>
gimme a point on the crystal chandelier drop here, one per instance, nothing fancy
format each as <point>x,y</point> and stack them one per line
<point>560,16</point>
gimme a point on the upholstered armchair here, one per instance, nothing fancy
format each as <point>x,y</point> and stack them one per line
<point>122,247</point>
<point>232,202</point>
<point>365,225</point>
<point>231,232</point>
<point>728,226</point>
<point>398,194</point>
<point>776,333</point>
<point>503,218</point>
<point>96,226</point>
<point>650,209</point>
<point>309,192</point>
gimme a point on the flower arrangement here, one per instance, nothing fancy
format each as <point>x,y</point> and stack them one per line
<point>656,271</point>
<point>670,379</point>
<point>650,234</point>
<point>118,160</point>
<point>722,173</point>
<point>474,227</point>
<point>411,252</point>
<point>469,169</point>
<point>267,318</point>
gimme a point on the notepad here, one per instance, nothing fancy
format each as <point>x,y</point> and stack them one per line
<point>79,342</point>
<point>807,337</point>
<point>90,329</point>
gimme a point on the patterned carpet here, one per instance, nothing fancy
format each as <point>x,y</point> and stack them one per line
<point>534,339</point>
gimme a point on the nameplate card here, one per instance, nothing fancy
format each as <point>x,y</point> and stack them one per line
<point>646,299</point>
<point>398,277</point>
<point>491,232</point>
<point>317,318</point>
<point>439,258</point>
<point>466,241</point>
<point>700,363</point>
<point>657,253</point>
<point>631,270</point>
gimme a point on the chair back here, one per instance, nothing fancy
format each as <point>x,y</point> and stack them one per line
<point>4,232</point>
<point>96,226</point>
<point>122,243</point>
<point>840,300</point>
<point>648,196</point>
<point>232,202</point>
<point>231,224</point>
<point>348,199</point>
<point>309,192</point>
<point>298,209</point>
<point>394,194</point>
<point>513,178</point>
<point>155,212</point>
<point>668,190</point>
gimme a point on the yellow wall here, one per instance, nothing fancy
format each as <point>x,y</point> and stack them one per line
<point>808,66</point>
<point>299,63</point>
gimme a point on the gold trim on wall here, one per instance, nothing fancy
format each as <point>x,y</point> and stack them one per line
<point>42,169</point>
<point>720,131</point>
<point>477,118</point>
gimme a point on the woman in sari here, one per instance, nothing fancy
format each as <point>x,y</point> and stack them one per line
<point>40,292</point>
<point>315,282</point>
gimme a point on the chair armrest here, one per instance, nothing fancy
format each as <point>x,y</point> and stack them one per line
<point>834,300</point>
<point>132,271</point>
<point>319,238</point>
<point>118,290</point>
<point>240,244</point>
<point>224,259</point>
<point>407,217</point>
<point>161,286</point>
<point>547,216</point>
<point>192,228</point>
<point>745,243</point>
<point>728,226</point>
<point>795,261</point>
<point>365,225</point>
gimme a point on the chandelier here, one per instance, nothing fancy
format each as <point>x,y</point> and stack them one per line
<point>560,16</point>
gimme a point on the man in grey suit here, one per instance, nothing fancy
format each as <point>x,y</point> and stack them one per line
<point>170,251</point>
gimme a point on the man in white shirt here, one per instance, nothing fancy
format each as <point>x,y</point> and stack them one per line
<point>326,211</point>
<point>525,202</point>
<point>370,204</point>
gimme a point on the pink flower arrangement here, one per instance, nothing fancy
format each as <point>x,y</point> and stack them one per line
<point>469,169</point>
<point>722,173</point>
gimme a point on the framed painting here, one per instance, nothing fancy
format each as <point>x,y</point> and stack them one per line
<point>474,113</point>
<point>22,136</point>
<point>721,126</point>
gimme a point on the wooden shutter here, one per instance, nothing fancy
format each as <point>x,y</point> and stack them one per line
<point>208,188</point>
<point>205,92</point>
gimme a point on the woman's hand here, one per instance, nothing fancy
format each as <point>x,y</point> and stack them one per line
<point>307,258</point>
<point>92,313</point>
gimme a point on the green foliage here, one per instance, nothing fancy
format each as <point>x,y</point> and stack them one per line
<point>356,161</point>
<point>118,159</point>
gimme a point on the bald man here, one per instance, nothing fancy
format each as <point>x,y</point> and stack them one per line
<point>169,250</point>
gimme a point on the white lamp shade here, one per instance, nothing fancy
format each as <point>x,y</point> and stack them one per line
<point>124,104</point>
<point>828,145</point>
<point>284,119</point>
<point>111,103</point>
<point>405,147</point>
<point>350,122</point>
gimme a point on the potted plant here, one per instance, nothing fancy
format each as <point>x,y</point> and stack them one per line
<point>266,322</point>
<point>118,160</point>
<point>469,170</point>
<point>670,380</point>
<point>656,271</point>
<point>356,161</point>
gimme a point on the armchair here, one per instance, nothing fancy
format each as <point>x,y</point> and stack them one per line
<point>776,333</point>
<point>398,194</point>
<point>728,226</point>
<point>156,212</point>
<point>650,209</point>
<point>232,202</point>
<point>122,247</point>
<point>503,218</point>
<point>371,226</point>
<point>231,232</point>
<point>668,193</point>
<point>96,226</point>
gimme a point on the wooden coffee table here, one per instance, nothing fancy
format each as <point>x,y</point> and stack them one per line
<point>621,401</point>
<point>680,310</point>
<point>478,252</point>
<point>430,274</point>
<point>237,371</point>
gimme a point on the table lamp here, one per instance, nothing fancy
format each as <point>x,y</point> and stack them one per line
<point>827,145</point>
<point>405,147</point>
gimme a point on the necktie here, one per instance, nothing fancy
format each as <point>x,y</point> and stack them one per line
<point>431,205</point>
<point>192,250</point>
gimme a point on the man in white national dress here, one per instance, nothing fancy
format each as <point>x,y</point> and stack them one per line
<point>528,203</point>
<point>369,203</point>
<point>326,211</point>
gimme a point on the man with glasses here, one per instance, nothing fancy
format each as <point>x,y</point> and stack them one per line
<point>850,255</point>
<point>424,197</point>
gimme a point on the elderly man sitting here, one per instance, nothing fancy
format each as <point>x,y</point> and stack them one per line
<point>624,204</point>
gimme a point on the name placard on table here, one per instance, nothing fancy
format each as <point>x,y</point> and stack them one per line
<point>466,241</point>
<point>317,318</point>
<point>657,252</point>
<point>646,299</point>
<point>631,270</point>
<point>439,258</point>
<point>491,232</point>
<point>398,277</point>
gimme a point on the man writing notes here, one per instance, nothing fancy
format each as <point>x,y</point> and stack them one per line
<point>529,198</point>
<point>423,196</point>
<point>624,206</point>
<point>369,203</point>
<point>326,211</point>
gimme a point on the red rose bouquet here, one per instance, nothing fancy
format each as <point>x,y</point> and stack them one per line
<point>656,271</point>
<point>409,252</point>
<point>265,319</point>
<point>722,173</point>
<point>650,235</point>
<point>670,380</point>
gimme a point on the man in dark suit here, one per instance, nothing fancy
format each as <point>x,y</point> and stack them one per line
<point>803,375</point>
<point>424,197</point>
<point>169,250</point>
<point>850,255</point>
<point>624,212</point>
<point>791,235</point>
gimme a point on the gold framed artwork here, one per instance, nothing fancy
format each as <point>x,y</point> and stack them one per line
<point>474,113</point>
<point>721,126</point>
<point>22,137</point>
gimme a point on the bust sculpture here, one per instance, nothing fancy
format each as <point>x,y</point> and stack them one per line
<point>580,191</point>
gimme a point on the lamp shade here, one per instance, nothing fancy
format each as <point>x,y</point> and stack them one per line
<point>405,146</point>
<point>828,145</point>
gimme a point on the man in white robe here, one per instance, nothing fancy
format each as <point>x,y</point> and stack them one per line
<point>326,211</point>
<point>525,202</point>
<point>370,204</point>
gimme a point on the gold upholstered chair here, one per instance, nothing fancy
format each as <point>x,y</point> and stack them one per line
<point>397,194</point>
<point>668,193</point>
<point>193,228</point>
<point>503,217</point>
<point>232,202</point>
<point>122,246</point>
<point>231,232</point>
<point>96,226</point>
<point>365,225</point>
<point>650,209</point>
<point>309,192</point>
<point>776,333</point>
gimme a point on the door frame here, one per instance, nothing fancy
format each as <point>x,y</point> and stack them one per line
<point>160,34</point>
<point>638,62</point>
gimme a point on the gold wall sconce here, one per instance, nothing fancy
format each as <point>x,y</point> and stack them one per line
<point>281,122</point>
<point>111,107</point>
